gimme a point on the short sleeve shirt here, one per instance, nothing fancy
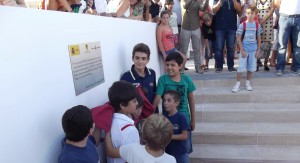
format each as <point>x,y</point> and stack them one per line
<point>177,147</point>
<point>249,41</point>
<point>136,153</point>
<point>184,87</point>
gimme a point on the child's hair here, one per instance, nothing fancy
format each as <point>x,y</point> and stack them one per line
<point>140,101</point>
<point>252,8</point>
<point>120,93</point>
<point>207,16</point>
<point>174,95</point>
<point>176,57</point>
<point>157,131</point>
<point>141,47</point>
<point>168,2</point>
<point>163,13</point>
<point>77,122</point>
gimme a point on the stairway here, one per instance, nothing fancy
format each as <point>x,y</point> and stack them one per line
<point>259,126</point>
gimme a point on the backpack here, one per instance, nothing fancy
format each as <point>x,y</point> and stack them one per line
<point>244,29</point>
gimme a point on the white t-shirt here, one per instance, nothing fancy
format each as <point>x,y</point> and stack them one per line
<point>136,153</point>
<point>289,7</point>
<point>123,132</point>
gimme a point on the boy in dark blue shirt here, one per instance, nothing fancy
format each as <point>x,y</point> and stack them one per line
<point>178,145</point>
<point>78,146</point>
<point>139,74</point>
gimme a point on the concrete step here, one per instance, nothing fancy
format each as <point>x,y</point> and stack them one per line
<point>260,94</point>
<point>211,153</point>
<point>247,133</point>
<point>273,81</point>
<point>247,112</point>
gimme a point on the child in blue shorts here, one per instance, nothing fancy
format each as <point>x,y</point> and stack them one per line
<point>248,37</point>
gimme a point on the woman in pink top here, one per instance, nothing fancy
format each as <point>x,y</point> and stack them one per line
<point>164,37</point>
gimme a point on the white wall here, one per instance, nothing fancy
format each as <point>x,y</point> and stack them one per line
<point>36,85</point>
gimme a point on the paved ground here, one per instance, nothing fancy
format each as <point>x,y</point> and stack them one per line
<point>225,74</point>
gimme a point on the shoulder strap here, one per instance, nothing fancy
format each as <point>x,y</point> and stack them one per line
<point>256,25</point>
<point>244,30</point>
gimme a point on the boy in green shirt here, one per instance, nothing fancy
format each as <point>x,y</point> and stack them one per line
<point>181,83</point>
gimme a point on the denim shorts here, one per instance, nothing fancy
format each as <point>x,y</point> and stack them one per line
<point>171,51</point>
<point>248,63</point>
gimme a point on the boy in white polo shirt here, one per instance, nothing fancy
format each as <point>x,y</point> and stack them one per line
<point>122,96</point>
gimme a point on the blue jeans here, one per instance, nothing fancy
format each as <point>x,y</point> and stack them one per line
<point>182,158</point>
<point>221,37</point>
<point>288,25</point>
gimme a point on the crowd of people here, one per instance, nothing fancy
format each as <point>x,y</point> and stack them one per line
<point>130,123</point>
<point>211,30</point>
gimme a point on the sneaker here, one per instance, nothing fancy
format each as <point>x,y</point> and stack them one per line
<point>248,86</point>
<point>279,73</point>
<point>231,69</point>
<point>218,70</point>
<point>236,88</point>
<point>185,68</point>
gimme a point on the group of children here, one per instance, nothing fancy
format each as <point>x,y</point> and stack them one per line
<point>162,138</point>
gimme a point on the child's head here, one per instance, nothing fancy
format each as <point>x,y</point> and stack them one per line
<point>207,18</point>
<point>174,63</point>
<point>140,55</point>
<point>171,100</point>
<point>139,107</point>
<point>251,11</point>
<point>157,131</point>
<point>77,123</point>
<point>141,48</point>
<point>169,5</point>
<point>122,96</point>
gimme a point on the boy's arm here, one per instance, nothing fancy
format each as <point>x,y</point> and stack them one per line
<point>182,136</point>
<point>239,42</point>
<point>110,150</point>
<point>156,101</point>
<point>192,110</point>
<point>97,135</point>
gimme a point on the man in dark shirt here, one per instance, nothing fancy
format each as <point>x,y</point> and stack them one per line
<point>226,25</point>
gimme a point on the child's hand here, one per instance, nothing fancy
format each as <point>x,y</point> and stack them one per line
<point>244,54</point>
